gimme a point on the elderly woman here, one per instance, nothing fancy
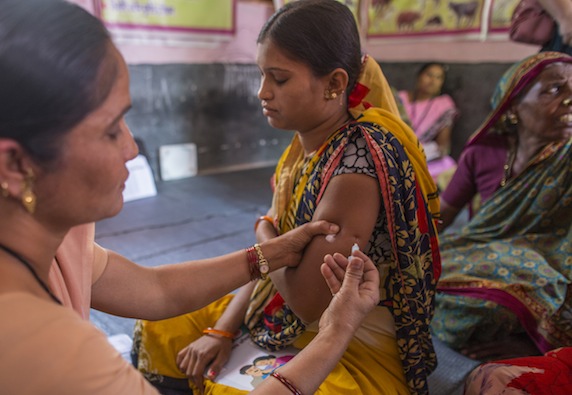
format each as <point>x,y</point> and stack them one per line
<point>63,149</point>
<point>507,275</point>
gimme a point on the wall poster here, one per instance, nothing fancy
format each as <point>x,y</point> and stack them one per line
<point>168,21</point>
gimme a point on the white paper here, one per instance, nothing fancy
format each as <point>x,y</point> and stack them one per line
<point>140,183</point>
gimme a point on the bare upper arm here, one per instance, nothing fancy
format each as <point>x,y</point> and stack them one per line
<point>353,202</point>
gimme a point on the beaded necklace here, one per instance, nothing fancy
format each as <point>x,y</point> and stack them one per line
<point>31,269</point>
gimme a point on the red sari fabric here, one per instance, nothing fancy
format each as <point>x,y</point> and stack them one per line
<point>550,374</point>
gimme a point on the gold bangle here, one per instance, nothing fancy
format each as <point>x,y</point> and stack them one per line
<point>262,262</point>
<point>264,218</point>
<point>219,332</point>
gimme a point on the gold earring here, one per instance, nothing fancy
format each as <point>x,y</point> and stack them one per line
<point>329,95</point>
<point>567,102</point>
<point>342,98</point>
<point>512,118</point>
<point>4,187</point>
<point>28,196</point>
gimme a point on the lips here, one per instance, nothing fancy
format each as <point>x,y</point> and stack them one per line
<point>267,111</point>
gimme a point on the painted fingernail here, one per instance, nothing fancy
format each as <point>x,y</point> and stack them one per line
<point>211,374</point>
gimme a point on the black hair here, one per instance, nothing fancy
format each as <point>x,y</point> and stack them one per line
<point>245,368</point>
<point>55,69</point>
<point>425,66</point>
<point>262,358</point>
<point>320,33</point>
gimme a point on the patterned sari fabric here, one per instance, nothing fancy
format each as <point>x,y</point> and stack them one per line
<point>510,269</point>
<point>514,254</point>
<point>409,265</point>
<point>408,197</point>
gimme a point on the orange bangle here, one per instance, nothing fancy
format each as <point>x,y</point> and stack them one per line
<point>212,331</point>
<point>264,218</point>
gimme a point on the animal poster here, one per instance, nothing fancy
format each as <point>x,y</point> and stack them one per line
<point>501,15</point>
<point>168,21</point>
<point>249,364</point>
<point>413,18</point>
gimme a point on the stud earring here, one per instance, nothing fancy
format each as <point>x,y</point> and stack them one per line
<point>329,95</point>
<point>512,118</point>
<point>342,98</point>
<point>567,102</point>
<point>28,196</point>
<point>4,187</point>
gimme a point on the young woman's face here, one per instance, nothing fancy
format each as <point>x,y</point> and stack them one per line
<point>430,81</point>
<point>541,111</point>
<point>292,97</point>
<point>87,182</point>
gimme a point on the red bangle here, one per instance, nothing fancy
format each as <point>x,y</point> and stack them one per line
<point>218,332</point>
<point>264,218</point>
<point>286,383</point>
<point>257,263</point>
<point>252,258</point>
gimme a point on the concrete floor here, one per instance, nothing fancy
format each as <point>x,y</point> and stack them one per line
<point>193,218</point>
<point>206,216</point>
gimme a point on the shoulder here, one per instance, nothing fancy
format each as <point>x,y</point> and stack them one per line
<point>66,354</point>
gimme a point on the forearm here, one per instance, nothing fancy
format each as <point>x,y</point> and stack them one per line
<point>265,229</point>
<point>233,316</point>
<point>319,357</point>
<point>444,141</point>
<point>130,290</point>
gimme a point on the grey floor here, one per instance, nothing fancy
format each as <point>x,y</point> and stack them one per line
<point>206,216</point>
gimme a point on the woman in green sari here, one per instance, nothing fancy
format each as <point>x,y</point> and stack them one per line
<point>507,275</point>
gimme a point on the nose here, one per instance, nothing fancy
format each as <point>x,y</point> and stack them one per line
<point>131,149</point>
<point>264,92</point>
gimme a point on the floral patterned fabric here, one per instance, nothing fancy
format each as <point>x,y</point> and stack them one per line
<point>408,284</point>
<point>510,268</point>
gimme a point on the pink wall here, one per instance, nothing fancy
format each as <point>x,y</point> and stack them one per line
<point>252,15</point>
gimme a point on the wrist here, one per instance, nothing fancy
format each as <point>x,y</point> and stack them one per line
<point>220,333</point>
<point>265,219</point>
<point>257,263</point>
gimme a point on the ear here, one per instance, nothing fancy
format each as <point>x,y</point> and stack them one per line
<point>338,81</point>
<point>15,165</point>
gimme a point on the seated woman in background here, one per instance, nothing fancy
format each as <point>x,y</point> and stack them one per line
<point>507,274</point>
<point>353,161</point>
<point>431,114</point>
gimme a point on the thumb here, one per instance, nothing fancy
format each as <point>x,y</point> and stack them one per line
<point>354,274</point>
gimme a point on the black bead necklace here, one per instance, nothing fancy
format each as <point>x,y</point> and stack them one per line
<point>31,269</point>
